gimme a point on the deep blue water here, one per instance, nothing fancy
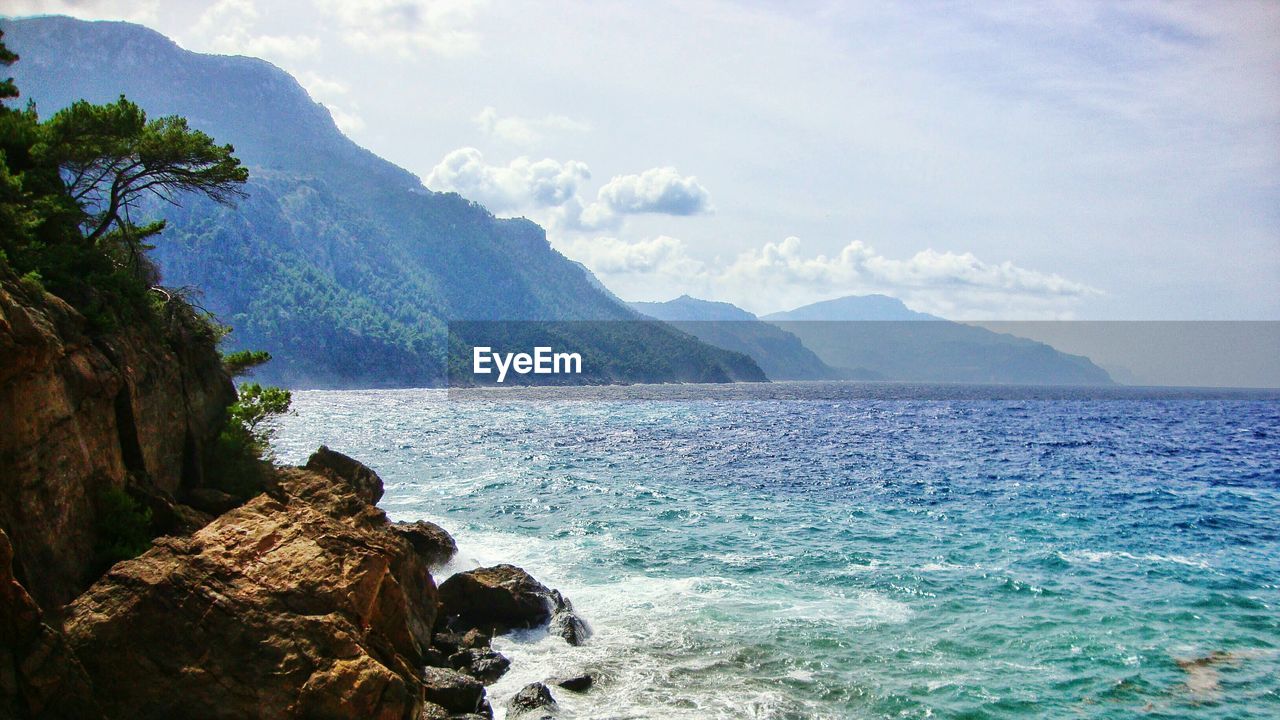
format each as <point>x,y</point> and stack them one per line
<point>859,550</point>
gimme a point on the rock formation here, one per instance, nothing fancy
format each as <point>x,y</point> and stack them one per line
<point>301,601</point>
<point>82,414</point>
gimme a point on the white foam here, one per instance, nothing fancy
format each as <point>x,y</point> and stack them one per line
<point>1102,556</point>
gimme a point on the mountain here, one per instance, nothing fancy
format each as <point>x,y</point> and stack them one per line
<point>882,337</point>
<point>854,308</point>
<point>339,263</point>
<point>779,353</point>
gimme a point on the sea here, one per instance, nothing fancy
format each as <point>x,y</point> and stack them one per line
<point>856,550</point>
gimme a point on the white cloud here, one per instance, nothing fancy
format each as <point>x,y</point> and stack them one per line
<point>522,184</point>
<point>859,264</point>
<point>141,11</point>
<point>779,276</point>
<point>549,190</point>
<point>517,130</point>
<point>335,96</point>
<point>228,26</point>
<point>406,27</point>
<point>657,190</point>
<point>661,255</point>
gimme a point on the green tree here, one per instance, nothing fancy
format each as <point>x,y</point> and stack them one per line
<point>111,157</point>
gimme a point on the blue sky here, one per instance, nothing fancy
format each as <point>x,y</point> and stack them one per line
<point>979,160</point>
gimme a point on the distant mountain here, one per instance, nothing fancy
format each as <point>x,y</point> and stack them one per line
<point>338,262</point>
<point>779,353</point>
<point>882,337</point>
<point>854,307</point>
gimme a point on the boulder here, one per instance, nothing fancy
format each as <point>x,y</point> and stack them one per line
<point>574,683</point>
<point>299,603</point>
<point>500,598</point>
<point>565,622</point>
<point>436,546</point>
<point>453,691</point>
<point>365,482</point>
<point>484,664</point>
<point>532,697</point>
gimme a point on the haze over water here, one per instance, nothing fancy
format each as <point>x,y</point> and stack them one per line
<point>851,551</point>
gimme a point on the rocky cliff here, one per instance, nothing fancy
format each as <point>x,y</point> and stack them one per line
<point>84,413</point>
<point>302,601</point>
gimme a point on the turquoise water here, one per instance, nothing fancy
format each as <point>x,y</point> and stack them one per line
<point>858,551</point>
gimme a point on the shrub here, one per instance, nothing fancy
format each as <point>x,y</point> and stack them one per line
<point>123,526</point>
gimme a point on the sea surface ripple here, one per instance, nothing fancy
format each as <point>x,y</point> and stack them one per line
<point>842,550</point>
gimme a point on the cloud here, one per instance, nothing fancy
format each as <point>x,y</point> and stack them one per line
<point>549,190</point>
<point>523,184</point>
<point>229,27</point>
<point>406,27</point>
<point>662,255</point>
<point>517,130</point>
<point>335,96</point>
<point>140,11</point>
<point>657,190</point>
<point>859,264</point>
<point>780,276</point>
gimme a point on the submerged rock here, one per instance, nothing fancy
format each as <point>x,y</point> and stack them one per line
<point>574,683</point>
<point>532,697</point>
<point>436,546</point>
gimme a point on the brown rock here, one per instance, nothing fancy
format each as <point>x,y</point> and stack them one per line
<point>436,546</point>
<point>40,676</point>
<point>365,482</point>
<point>80,414</point>
<point>300,603</point>
<point>210,500</point>
<point>500,597</point>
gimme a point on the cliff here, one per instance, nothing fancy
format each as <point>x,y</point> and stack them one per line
<point>134,410</point>
<point>301,601</point>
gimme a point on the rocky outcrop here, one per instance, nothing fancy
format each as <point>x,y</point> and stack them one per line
<point>495,598</point>
<point>303,601</point>
<point>300,603</point>
<point>504,597</point>
<point>565,622</point>
<point>81,414</point>
<point>355,474</point>
<point>436,546</point>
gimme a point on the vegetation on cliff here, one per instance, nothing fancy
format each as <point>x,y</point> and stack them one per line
<point>73,190</point>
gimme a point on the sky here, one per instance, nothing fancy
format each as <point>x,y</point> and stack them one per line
<point>1055,160</point>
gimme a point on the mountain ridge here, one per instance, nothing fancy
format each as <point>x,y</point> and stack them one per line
<point>880,335</point>
<point>779,353</point>
<point>338,262</point>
